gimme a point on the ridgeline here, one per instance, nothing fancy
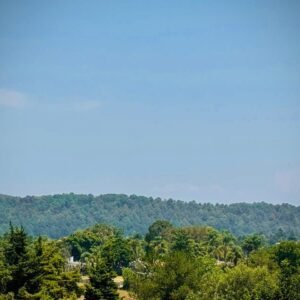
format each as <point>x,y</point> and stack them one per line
<point>60,215</point>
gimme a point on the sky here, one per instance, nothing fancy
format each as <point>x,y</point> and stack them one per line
<point>191,100</point>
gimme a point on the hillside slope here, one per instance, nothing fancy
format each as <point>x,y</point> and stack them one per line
<point>59,215</point>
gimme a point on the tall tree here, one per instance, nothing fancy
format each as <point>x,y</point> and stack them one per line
<point>101,276</point>
<point>16,257</point>
<point>117,253</point>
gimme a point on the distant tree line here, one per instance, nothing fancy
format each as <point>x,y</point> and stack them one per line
<point>60,215</point>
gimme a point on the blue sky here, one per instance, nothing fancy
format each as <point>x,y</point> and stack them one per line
<point>194,100</point>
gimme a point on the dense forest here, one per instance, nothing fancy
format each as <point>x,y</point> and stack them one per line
<point>59,215</point>
<point>167,263</point>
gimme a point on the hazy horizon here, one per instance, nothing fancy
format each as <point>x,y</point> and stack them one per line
<point>190,101</point>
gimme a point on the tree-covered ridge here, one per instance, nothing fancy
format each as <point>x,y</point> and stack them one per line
<point>60,215</point>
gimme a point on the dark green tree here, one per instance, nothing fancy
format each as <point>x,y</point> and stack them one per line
<point>182,242</point>
<point>81,241</point>
<point>5,274</point>
<point>101,276</point>
<point>157,229</point>
<point>35,269</point>
<point>117,253</point>
<point>252,243</point>
<point>16,257</point>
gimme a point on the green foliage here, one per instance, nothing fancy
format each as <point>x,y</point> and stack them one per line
<point>287,253</point>
<point>16,257</point>
<point>5,274</point>
<point>287,256</point>
<point>157,230</point>
<point>137,246</point>
<point>128,276</point>
<point>117,253</point>
<point>34,269</point>
<point>170,263</point>
<point>60,215</point>
<point>182,242</point>
<point>107,242</point>
<point>174,277</point>
<point>101,276</point>
<point>81,242</point>
<point>252,243</point>
<point>183,266</point>
<point>262,257</point>
<point>245,283</point>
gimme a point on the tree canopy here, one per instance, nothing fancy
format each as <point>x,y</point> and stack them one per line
<point>167,263</point>
<point>60,215</point>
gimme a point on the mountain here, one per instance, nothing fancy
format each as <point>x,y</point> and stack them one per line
<point>60,215</point>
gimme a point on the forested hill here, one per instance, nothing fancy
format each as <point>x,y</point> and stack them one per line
<point>59,215</point>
